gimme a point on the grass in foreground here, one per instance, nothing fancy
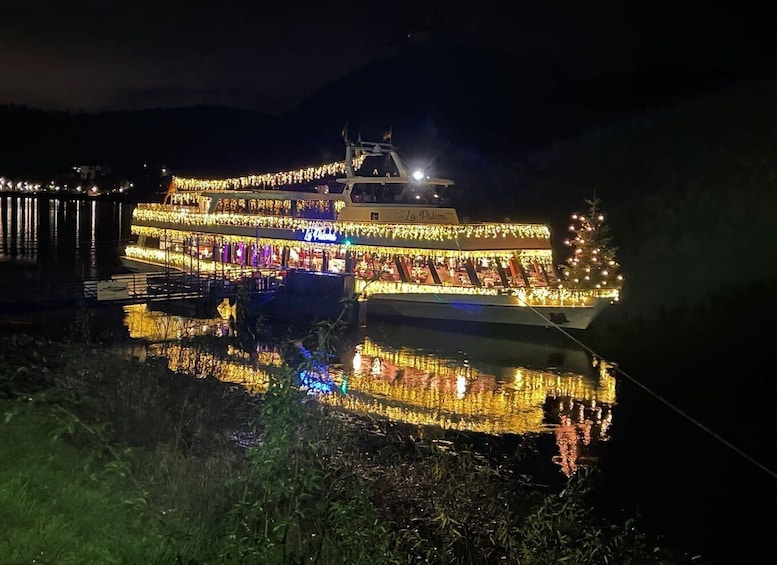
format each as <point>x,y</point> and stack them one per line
<point>55,509</point>
<point>145,470</point>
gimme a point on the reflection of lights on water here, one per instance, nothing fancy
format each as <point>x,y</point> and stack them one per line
<point>587,432</point>
<point>357,360</point>
<point>226,310</point>
<point>316,382</point>
<point>461,386</point>
<point>566,439</point>
<point>405,386</point>
<point>582,423</point>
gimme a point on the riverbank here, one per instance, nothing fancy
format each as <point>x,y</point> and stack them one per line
<point>224,475</point>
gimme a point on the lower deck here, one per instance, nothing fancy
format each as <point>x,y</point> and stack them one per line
<point>487,269</point>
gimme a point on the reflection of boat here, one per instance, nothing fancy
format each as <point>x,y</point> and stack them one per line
<point>492,385</point>
<point>525,349</point>
<point>426,387</point>
<point>485,384</point>
<point>379,225</point>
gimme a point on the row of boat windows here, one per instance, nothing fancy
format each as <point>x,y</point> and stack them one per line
<point>311,209</point>
<point>396,193</point>
<point>482,272</point>
<point>408,193</point>
<point>489,273</point>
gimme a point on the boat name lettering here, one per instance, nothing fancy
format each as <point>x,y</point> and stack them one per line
<point>319,234</point>
<point>428,215</point>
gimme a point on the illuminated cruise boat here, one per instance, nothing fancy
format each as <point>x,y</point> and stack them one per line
<point>375,222</point>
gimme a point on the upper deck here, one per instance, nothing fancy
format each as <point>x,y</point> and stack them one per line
<point>373,184</point>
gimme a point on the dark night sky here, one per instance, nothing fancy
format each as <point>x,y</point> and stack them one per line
<point>95,55</point>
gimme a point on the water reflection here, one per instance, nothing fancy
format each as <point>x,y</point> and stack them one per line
<point>424,377</point>
<point>74,238</point>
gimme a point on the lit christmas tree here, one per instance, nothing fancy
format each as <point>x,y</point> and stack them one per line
<point>592,263</point>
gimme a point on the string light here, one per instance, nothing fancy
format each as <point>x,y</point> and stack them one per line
<point>522,297</point>
<point>543,256</point>
<point>11,185</point>
<point>435,399</point>
<point>265,180</point>
<point>432,390</point>
<point>592,263</point>
<point>155,215</point>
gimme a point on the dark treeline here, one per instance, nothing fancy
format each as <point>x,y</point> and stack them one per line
<point>690,191</point>
<point>460,110</point>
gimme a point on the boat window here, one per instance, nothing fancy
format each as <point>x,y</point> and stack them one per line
<point>535,274</point>
<point>379,166</point>
<point>396,193</point>
<point>517,274</point>
<point>183,198</point>
<point>550,274</point>
<point>315,209</point>
<point>269,207</point>
<point>413,193</point>
<point>378,192</point>
<point>488,271</point>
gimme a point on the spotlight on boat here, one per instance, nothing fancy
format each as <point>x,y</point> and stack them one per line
<point>418,175</point>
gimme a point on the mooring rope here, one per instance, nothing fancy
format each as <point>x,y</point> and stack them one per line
<point>661,399</point>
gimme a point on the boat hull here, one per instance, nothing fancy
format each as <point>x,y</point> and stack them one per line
<point>481,309</point>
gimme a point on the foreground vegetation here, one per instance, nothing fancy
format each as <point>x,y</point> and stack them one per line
<point>110,460</point>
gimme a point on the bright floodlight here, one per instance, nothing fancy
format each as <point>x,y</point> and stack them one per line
<point>418,175</point>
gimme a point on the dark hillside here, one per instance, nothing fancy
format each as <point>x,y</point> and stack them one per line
<point>462,112</point>
<point>37,143</point>
<point>467,110</point>
<point>691,193</point>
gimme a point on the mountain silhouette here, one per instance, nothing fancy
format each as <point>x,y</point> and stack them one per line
<point>460,111</point>
<point>39,143</point>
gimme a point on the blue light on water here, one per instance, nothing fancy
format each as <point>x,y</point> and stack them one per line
<point>316,382</point>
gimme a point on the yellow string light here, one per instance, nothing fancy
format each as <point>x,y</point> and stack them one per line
<point>532,296</point>
<point>159,214</point>
<point>297,176</point>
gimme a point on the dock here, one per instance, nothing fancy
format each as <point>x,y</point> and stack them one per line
<point>135,288</point>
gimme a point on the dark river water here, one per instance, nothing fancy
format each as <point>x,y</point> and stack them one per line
<point>685,439</point>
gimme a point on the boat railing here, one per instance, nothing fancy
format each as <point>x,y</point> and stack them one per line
<point>415,231</point>
<point>166,207</point>
<point>525,295</point>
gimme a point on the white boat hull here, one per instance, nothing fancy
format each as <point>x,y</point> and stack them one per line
<point>482,309</point>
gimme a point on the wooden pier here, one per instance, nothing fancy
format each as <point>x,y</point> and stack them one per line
<point>133,288</point>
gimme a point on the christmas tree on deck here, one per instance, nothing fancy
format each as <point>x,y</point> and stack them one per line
<point>592,263</point>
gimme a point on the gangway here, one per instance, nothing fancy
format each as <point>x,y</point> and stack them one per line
<point>134,288</point>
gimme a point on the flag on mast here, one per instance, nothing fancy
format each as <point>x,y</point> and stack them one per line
<point>344,133</point>
<point>387,136</point>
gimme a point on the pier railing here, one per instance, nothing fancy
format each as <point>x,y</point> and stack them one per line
<point>132,288</point>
